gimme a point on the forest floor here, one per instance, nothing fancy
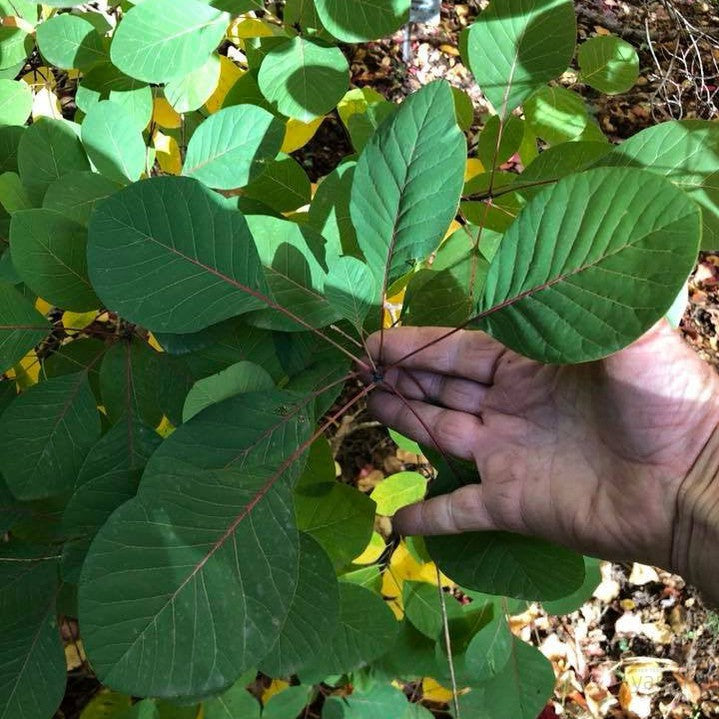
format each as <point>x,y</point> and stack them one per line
<point>644,645</point>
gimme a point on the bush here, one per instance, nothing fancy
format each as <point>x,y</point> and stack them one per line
<point>176,328</point>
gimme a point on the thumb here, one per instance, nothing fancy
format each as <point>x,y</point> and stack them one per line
<point>463,510</point>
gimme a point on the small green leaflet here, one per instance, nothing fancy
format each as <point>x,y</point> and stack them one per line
<point>397,491</point>
<point>609,64</point>
<point>508,48</point>
<point>233,146</point>
<point>359,23</point>
<point>304,78</point>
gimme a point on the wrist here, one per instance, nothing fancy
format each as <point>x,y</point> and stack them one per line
<point>695,541</point>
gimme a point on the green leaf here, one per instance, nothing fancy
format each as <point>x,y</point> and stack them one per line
<point>556,115</point>
<point>436,298</point>
<point>312,617</point>
<point>235,703</point>
<point>380,701</point>
<point>338,516</point>
<point>371,20</point>
<point>303,78</point>
<point>417,711</point>
<point>499,140</point>
<point>509,564</point>
<point>233,146</point>
<point>516,46</point>
<point>609,64</point>
<point>106,704</point>
<point>293,257</point>
<point>350,288</point>
<point>412,655</point>
<point>12,194</point>
<point>80,354</point>
<point>330,209</point>
<point>21,326</point>
<point>520,691</point>
<point>48,150</point>
<point>607,251</point>
<point>172,256</point>
<point>45,435</point>
<point>106,82</point>
<point>408,182</point>
<point>223,551</point>
<point>362,125</point>
<point>10,136</point>
<point>366,630</point>
<point>113,143</point>
<point>190,92</point>
<point>161,40</point>
<point>109,477</point>
<point>130,381</point>
<point>15,46</point>
<point>49,253</point>
<point>423,609</point>
<point>283,186</point>
<point>236,379</point>
<point>70,41</point>
<point>557,162</point>
<point>397,491</point>
<point>32,661</point>
<point>288,703</point>
<point>572,602</point>
<point>490,650</point>
<point>76,194</point>
<point>685,153</point>
<point>15,102</point>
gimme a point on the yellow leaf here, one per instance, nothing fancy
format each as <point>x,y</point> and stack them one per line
<point>74,655</point>
<point>40,77</point>
<point>299,133</point>
<point>450,50</point>
<point>78,320</point>
<point>277,686</point>
<point>247,28</point>
<point>229,75</point>
<point>452,228</point>
<point>41,306</point>
<point>152,341</point>
<point>26,372</point>
<point>356,102</point>
<point>165,428</point>
<point>105,704</point>
<point>164,115</point>
<point>167,152</point>
<point>404,567</point>
<point>19,23</point>
<point>474,168</point>
<point>373,551</point>
<point>433,691</point>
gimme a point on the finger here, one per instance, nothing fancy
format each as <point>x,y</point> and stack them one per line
<point>453,432</point>
<point>460,511</point>
<point>465,353</point>
<point>455,393</point>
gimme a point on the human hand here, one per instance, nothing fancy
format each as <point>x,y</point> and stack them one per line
<point>616,459</point>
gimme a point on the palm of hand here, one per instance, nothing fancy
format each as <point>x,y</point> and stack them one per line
<point>590,456</point>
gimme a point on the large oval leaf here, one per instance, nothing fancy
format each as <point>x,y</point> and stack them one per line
<point>304,78</point>
<point>589,265</point>
<point>171,255</point>
<point>233,146</point>
<point>408,182</point>
<point>214,520</point>
<point>369,20</point>
<point>516,46</point>
<point>159,40</point>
